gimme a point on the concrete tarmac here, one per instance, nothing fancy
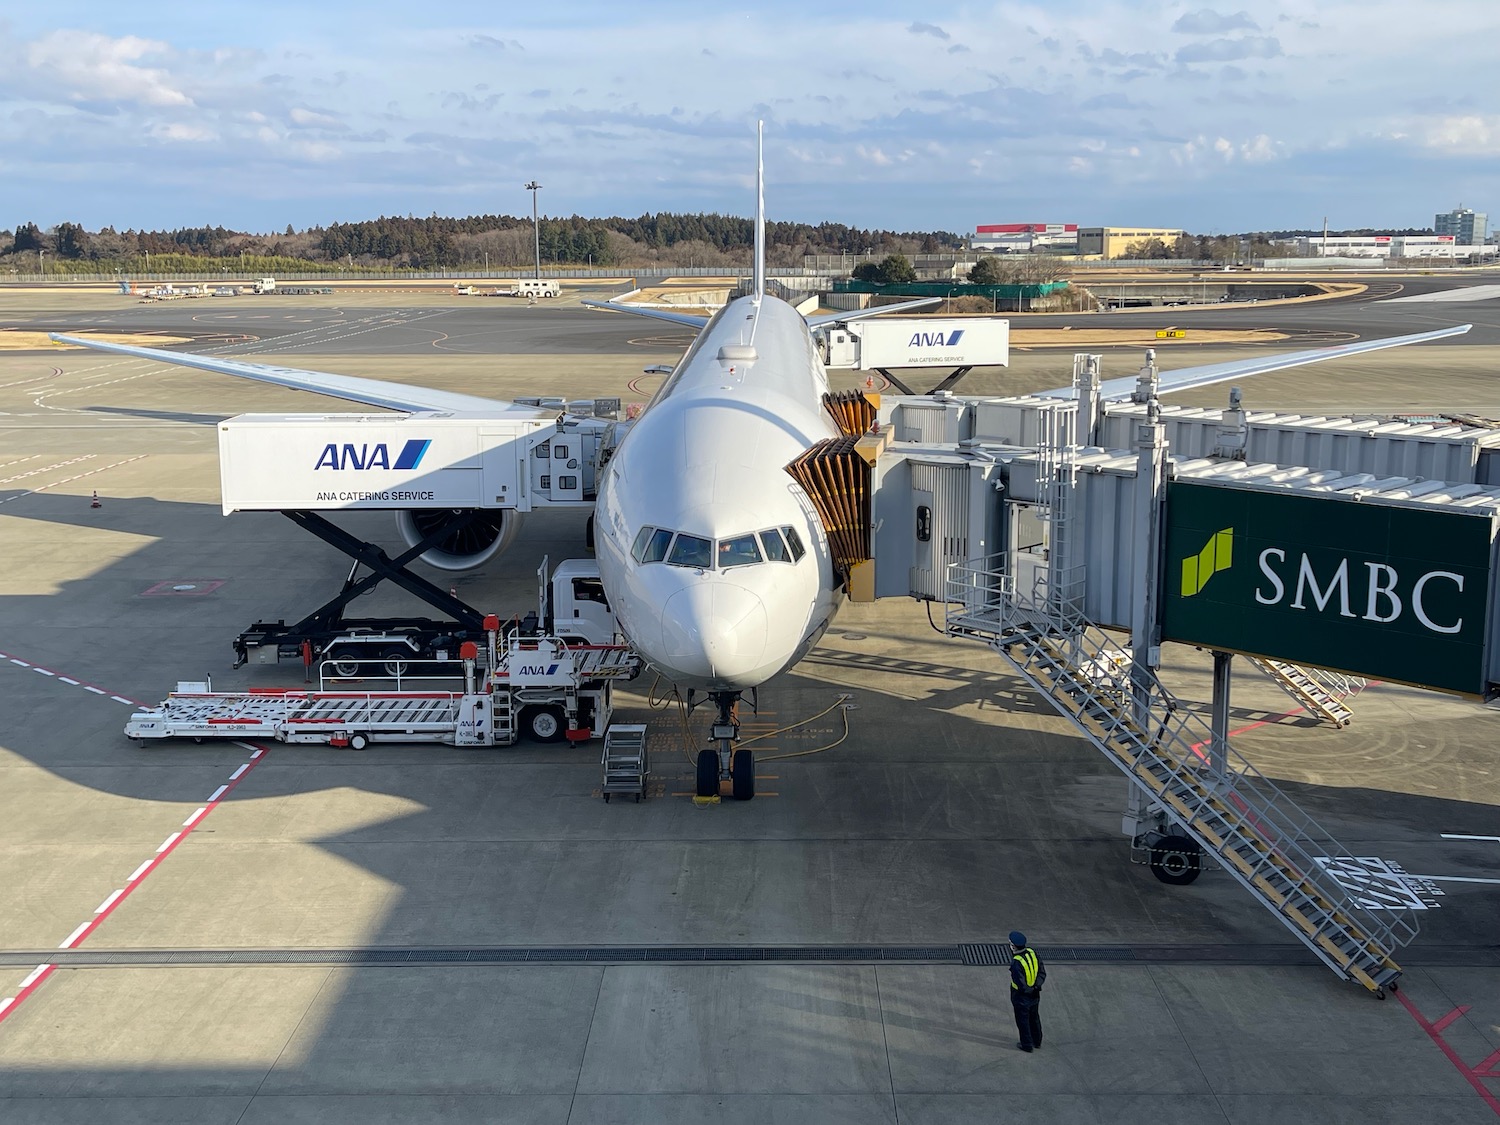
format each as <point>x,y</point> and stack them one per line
<point>417,933</point>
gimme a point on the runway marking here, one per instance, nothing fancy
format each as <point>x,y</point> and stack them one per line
<point>1474,1075</point>
<point>78,476</point>
<point>48,468</point>
<point>1464,836</point>
<point>9,1004</point>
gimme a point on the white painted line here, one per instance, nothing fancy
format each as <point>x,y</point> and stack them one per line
<point>96,691</point>
<point>1451,879</point>
<point>188,823</point>
<point>235,776</point>
<point>168,842</point>
<point>68,941</point>
<point>219,792</point>
<point>36,972</point>
<point>7,1002</point>
<point>257,754</point>
<point>43,671</point>
<point>139,871</point>
<point>67,680</point>
<point>22,663</point>
<point>121,699</point>
<point>1462,836</point>
<point>110,901</point>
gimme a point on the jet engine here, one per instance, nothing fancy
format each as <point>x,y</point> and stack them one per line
<point>470,538</point>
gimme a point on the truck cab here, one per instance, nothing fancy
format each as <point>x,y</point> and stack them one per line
<point>574,605</point>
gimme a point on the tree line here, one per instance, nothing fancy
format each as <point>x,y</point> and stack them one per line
<point>436,241</point>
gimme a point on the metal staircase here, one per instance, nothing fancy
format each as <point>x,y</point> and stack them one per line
<point>1271,847</point>
<point>1319,691</point>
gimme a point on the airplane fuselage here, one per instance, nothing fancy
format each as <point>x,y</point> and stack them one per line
<point>713,559</point>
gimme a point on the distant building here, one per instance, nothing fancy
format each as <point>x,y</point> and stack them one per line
<point>1026,238</point>
<point>1113,242</point>
<point>1467,227</point>
<point>1388,246</point>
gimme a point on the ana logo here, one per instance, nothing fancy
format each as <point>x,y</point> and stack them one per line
<point>367,456</point>
<point>1217,555</point>
<point>538,669</point>
<point>935,339</point>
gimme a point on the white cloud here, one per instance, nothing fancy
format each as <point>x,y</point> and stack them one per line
<point>873,155</point>
<point>1229,50</point>
<point>1206,21</point>
<point>1467,133</point>
<point>179,131</point>
<point>84,66</point>
<point>312,119</point>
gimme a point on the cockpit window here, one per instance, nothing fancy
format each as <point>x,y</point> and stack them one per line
<point>739,551</point>
<point>651,545</point>
<point>794,541</point>
<point>775,549</point>
<point>689,550</point>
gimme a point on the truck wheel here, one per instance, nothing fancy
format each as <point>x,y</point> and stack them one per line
<point>1174,860</point>
<point>544,724</point>
<point>358,742</point>
<point>345,666</point>
<point>397,662</point>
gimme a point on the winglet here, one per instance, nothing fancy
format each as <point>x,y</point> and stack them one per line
<point>760,211</point>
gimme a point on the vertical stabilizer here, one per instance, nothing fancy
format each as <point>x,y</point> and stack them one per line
<point>760,210</point>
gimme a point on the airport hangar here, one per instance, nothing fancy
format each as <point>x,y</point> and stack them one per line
<point>933,889</point>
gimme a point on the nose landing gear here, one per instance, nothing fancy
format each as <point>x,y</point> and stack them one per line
<point>724,761</point>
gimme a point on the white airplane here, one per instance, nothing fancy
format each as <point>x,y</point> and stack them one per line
<point>713,558</point>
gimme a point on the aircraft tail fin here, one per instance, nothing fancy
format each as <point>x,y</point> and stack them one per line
<point>760,210</point>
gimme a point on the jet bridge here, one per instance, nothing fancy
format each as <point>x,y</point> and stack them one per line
<point>1047,548</point>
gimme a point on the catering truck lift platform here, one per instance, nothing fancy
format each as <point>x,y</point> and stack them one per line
<point>511,685</point>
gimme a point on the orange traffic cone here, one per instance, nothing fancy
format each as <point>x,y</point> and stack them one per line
<point>94,503</point>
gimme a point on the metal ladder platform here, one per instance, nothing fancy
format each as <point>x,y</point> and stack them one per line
<point>625,760</point>
<point>291,716</point>
<point>1321,692</point>
<point>1270,846</point>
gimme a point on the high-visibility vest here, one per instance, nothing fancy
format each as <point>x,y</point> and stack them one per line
<point>1029,966</point>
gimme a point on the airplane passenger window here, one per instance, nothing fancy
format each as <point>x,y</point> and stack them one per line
<point>739,551</point>
<point>656,549</point>
<point>775,548</point>
<point>689,550</point>
<point>794,541</point>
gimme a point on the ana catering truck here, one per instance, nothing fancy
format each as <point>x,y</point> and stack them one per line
<point>917,341</point>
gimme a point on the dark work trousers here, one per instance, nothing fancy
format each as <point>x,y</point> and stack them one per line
<point>1028,1017</point>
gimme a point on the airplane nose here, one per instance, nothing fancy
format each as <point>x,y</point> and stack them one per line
<point>715,631</point>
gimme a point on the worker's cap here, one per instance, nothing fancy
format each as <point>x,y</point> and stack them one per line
<point>1017,938</point>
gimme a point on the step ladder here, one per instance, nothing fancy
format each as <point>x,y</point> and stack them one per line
<point>1321,692</point>
<point>1274,849</point>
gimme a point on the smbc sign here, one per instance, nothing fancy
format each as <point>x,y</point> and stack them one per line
<point>1390,593</point>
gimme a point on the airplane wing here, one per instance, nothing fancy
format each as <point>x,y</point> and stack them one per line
<point>690,319</point>
<point>822,319</point>
<point>1187,378</point>
<point>370,392</point>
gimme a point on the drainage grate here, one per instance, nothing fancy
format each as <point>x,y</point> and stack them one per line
<point>986,953</point>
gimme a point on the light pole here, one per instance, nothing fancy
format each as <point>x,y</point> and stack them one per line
<point>536,229</point>
<point>41,261</point>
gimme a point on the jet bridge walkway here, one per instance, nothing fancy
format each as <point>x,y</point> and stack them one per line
<point>1270,846</point>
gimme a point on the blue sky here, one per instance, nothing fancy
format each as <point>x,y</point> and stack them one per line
<point>1222,118</point>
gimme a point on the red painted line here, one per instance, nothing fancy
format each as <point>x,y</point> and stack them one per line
<point>1456,1014</point>
<point>1471,1075</point>
<point>1487,1069</point>
<point>142,873</point>
<point>22,994</point>
<point>95,688</point>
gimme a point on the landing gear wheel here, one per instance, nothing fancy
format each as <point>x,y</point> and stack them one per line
<point>742,773</point>
<point>708,773</point>
<point>1174,860</point>
<point>545,724</point>
<point>358,742</point>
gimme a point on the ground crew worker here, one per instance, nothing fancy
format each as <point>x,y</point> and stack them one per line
<point>1027,975</point>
